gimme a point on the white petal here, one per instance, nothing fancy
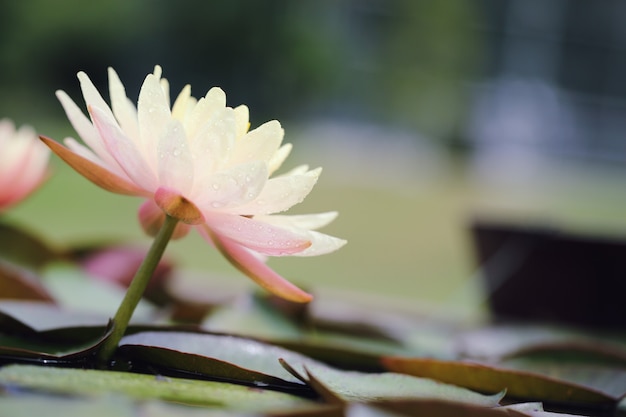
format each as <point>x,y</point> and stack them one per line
<point>302,221</point>
<point>242,120</point>
<point>123,109</point>
<point>204,110</point>
<point>231,188</point>
<point>259,144</point>
<point>212,144</point>
<point>84,127</point>
<point>320,243</point>
<point>175,160</point>
<point>91,94</point>
<point>279,157</point>
<point>281,193</point>
<point>179,109</point>
<point>153,113</point>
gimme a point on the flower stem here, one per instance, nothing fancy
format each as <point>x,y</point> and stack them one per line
<point>136,289</point>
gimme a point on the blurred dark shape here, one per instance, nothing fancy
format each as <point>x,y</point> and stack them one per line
<point>554,79</point>
<point>401,61</point>
<point>539,274</point>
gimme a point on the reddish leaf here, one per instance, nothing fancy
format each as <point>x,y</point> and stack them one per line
<point>486,378</point>
<point>19,284</point>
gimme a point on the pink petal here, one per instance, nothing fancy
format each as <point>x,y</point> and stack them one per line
<point>123,150</point>
<point>95,173</point>
<point>321,243</point>
<point>259,236</point>
<point>248,263</point>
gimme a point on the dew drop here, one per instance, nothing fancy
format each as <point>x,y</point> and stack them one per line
<point>215,186</point>
<point>176,152</point>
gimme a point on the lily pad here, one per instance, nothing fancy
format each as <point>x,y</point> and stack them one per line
<point>349,386</point>
<point>140,386</point>
<point>47,320</point>
<point>17,283</point>
<point>74,289</point>
<point>252,316</point>
<point>430,408</point>
<point>213,356</point>
<point>24,248</point>
<point>485,378</point>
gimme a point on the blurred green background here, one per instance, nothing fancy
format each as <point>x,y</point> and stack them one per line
<point>425,115</point>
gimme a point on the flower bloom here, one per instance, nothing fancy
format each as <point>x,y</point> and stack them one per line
<point>199,163</point>
<point>23,163</point>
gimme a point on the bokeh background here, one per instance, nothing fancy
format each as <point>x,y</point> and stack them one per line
<point>425,115</point>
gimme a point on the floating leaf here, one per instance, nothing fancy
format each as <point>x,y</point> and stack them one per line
<point>212,356</point>
<point>502,341</point>
<point>139,386</point>
<point>22,248</point>
<point>486,378</point>
<point>74,289</point>
<point>17,283</point>
<point>36,404</point>
<point>344,351</point>
<point>27,350</point>
<point>347,386</point>
<point>430,408</point>
<point>252,316</point>
<point>44,319</point>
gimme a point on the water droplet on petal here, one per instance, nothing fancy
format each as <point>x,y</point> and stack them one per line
<point>270,243</point>
<point>215,186</point>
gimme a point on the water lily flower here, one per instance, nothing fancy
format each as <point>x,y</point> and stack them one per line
<point>198,162</point>
<point>23,163</point>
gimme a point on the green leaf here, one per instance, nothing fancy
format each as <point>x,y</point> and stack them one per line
<point>349,386</point>
<point>486,378</point>
<point>503,341</point>
<point>214,356</point>
<point>44,319</point>
<point>253,316</point>
<point>74,289</point>
<point>139,386</point>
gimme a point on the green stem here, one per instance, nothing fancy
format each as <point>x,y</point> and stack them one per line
<point>136,289</point>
